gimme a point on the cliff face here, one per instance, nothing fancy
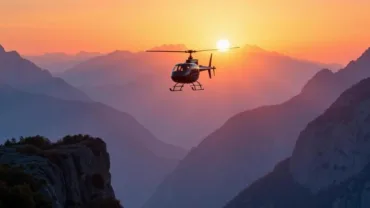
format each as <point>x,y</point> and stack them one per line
<point>75,170</point>
<point>336,145</point>
<point>330,165</point>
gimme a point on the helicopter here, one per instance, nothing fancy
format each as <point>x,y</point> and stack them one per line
<point>188,72</point>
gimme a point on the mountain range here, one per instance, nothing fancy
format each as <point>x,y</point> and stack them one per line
<point>245,79</point>
<point>250,143</point>
<point>27,111</point>
<point>227,161</point>
<point>134,151</point>
<point>330,163</point>
<point>57,63</point>
<point>22,74</point>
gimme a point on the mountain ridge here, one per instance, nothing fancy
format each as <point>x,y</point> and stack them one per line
<point>134,150</point>
<point>25,75</point>
<point>244,80</point>
<point>249,144</point>
<point>58,62</point>
<point>329,166</point>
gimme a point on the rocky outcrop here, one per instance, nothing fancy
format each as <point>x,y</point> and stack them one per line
<point>330,165</point>
<point>75,170</point>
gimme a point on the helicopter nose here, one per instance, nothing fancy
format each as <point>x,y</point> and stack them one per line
<point>179,76</point>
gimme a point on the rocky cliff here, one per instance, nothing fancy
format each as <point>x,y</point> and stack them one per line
<point>336,145</point>
<point>133,150</point>
<point>330,165</point>
<point>74,171</point>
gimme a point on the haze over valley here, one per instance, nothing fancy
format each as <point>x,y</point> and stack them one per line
<point>108,85</point>
<point>274,111</point>
<point>244,79</point>
<point>118,80</point>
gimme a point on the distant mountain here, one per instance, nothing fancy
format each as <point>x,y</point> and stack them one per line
<point>173,47</point>
<point>118,67</point>
<point>57,63</point>
<point>139,160</point>
<point>249,144</point>
<point>330,165</point>
<point>245,78</point>
<point>24,75</point>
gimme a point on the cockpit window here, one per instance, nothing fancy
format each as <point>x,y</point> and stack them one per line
<point>182,67</point>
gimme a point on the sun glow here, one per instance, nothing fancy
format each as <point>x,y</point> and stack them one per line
<point>223,45</point>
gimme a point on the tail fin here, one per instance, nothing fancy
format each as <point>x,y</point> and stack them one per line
<point>210,65</point>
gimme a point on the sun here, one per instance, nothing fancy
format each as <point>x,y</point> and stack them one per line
<point>223,45</point>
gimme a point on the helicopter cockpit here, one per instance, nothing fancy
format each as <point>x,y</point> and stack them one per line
<point>184,67</point>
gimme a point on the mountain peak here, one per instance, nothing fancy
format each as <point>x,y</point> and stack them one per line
<point>318,79</point>
<point>356,69</point>
<point>365,55</point>
<point>253,48</point>
<point>24,75</point>
<point>120,53</point>
<point>170,47</point>
<point>2,50</point>
<point>14,54</point>
<point>85,53</point>
<point>9,53</point>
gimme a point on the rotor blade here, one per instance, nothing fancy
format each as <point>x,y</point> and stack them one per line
<point>209,73</point>
<point>229,48</point>
<point>216,49</point>
<point>206,50</point>
<point>167,51</point>
<point>189,51</point>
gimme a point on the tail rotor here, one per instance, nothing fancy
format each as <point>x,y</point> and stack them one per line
<point>210,66</point>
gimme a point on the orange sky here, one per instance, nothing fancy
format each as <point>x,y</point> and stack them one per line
<point>321,30</point>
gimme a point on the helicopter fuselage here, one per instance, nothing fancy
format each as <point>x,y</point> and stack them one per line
<point>185,73</point>
<point>188,73</point>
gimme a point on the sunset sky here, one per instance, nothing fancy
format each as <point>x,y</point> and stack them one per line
<point>321,30</point>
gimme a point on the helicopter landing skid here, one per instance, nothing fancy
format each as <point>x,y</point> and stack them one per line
<point>177,87</point>
<point>196,86</point>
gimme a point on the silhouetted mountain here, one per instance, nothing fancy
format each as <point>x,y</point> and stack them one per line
<point>57,63</point>
<point>249,144</point>
<point>174,47</point>
<point>118,67</point>
<point>134,151</point>
<point>24,75</point>
<point>245,79</point>
<point>330,165</point>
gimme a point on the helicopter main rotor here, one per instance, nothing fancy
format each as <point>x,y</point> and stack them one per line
<point>187,51</point>
<point>185,73</point>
